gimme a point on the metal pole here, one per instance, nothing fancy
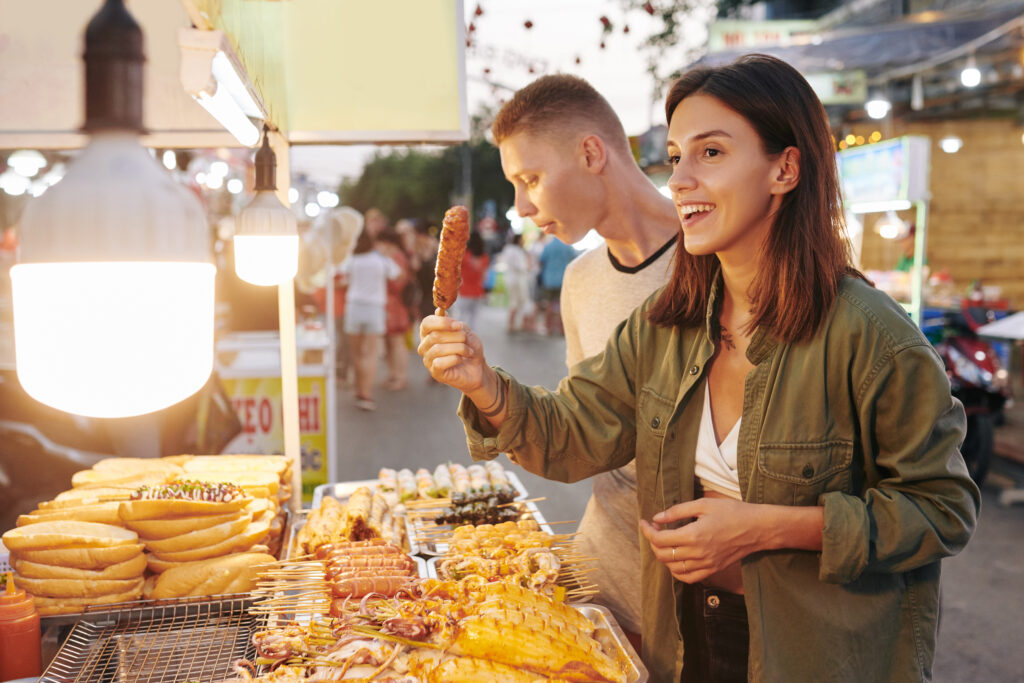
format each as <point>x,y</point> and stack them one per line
<point>289,352</point>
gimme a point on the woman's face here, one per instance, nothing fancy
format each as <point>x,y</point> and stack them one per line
<point>725,187</point>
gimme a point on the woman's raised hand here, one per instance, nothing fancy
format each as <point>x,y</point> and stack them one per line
<point>452,353</point>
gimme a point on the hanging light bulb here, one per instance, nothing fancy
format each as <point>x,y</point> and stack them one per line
<point>890,226</point>
<point>113,294</point>
<point>878,106</point>
<point>951,144</point>
<point>970,77</point>
<point>267,239</point>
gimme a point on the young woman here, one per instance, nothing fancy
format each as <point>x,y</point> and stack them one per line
<point>366,273</point>
<point>795,437</point>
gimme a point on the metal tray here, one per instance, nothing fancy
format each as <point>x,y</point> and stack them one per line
<point>433,549</point>
<point>178,640</point>
<point>636,672</point>
<point>344,489</point>
<point>288,549</point>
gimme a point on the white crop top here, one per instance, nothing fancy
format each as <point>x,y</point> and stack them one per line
<point>716,463</point>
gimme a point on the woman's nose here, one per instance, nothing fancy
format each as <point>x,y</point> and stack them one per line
<point>681,179</point>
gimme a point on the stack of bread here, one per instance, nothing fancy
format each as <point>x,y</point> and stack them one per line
<point>67,565</point>
<point>201,533</point>
<point>266,478</point>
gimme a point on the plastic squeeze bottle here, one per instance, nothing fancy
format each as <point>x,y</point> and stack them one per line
<point>20,656</point>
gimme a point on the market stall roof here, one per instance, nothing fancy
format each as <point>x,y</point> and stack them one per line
<point>883,48</point>
<point>327,71</point>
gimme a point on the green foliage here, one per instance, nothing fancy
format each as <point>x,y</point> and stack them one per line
<point>419,183</point>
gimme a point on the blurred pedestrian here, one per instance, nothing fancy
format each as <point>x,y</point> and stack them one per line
<point>366,273</point>
<point>517,282</point>
<point>402,298</point>
<point>554,259</point>
<point>474,268</point>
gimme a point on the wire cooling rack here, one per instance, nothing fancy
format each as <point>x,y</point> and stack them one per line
<point>188,639</point>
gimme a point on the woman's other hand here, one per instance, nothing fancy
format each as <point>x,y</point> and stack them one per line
<point>722,533</point>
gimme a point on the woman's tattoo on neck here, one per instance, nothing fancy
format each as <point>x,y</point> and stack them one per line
<point>726,338</point>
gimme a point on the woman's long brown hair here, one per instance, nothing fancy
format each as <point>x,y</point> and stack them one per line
<point>806,252</point>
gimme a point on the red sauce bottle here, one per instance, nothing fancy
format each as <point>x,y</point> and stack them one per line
<point>20,656</point>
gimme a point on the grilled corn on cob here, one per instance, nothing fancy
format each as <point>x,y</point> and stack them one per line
<point>536,647</point>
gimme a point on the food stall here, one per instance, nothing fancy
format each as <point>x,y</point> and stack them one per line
<point>190,567</point>
<point>428,572</point>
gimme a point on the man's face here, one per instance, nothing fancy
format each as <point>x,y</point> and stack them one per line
<point>553,187</point>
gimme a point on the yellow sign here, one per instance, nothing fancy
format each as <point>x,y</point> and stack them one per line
<point>257,400</point>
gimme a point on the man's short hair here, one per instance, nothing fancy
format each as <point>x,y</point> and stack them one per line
<point>553,104</point>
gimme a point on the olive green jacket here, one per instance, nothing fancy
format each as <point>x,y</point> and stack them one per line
<point>858,420</point>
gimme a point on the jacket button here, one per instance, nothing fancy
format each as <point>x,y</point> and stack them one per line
<point>694,370</point>
<point>808,472</point>
<point>655,422</point>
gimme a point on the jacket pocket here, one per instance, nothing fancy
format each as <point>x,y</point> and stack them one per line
<point>653,413</point>
<point>797,473</point>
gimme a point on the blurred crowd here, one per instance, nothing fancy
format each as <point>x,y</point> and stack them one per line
<point>383,279</point>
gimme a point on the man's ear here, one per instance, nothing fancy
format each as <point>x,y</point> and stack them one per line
<point>595,154</point>
<point>786,170</point>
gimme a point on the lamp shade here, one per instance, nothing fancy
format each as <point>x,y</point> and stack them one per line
<point>114,292</point>
<point>266,235</point>
<point>266,241</point>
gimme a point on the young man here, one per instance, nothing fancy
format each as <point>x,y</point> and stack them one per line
<point>565,152</point>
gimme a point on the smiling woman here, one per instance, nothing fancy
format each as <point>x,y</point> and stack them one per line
<point>794,435</point>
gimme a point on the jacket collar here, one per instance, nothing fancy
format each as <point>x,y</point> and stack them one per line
<point>762,343</point>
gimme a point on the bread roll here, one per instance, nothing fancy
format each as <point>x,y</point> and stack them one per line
<point>175,526</point>
<point>238,543</point>
<point>81,557</point>
<point>51,606</point>
<point>60,534</point>
<point>229,574</point>
<point>201,537</point>
<point>78,588</point>
<point>131,568</point>
<point>131,479</point>
<point>126,465</point>
<point>163,509</point>
<point>101,513</point>
<point>85,496</point>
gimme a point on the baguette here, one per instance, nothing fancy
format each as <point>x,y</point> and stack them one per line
<point>236,573</point>
<point>81,557</point>
<point>64,533</point>
<point>78,588</point>
<point>131,568</point>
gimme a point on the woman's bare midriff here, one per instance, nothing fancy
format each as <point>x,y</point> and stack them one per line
<point>729,579</point>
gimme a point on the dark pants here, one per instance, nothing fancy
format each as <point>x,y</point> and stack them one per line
<point>716,640</point>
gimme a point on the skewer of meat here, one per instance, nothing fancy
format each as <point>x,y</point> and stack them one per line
<point>448,269</point>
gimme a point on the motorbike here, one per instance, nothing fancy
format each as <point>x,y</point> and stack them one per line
<point>977,378</point>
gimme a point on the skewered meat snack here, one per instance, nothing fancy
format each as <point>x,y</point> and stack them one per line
<point>478,512</point>
<point>502,495</point>
<point>448,270</point>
